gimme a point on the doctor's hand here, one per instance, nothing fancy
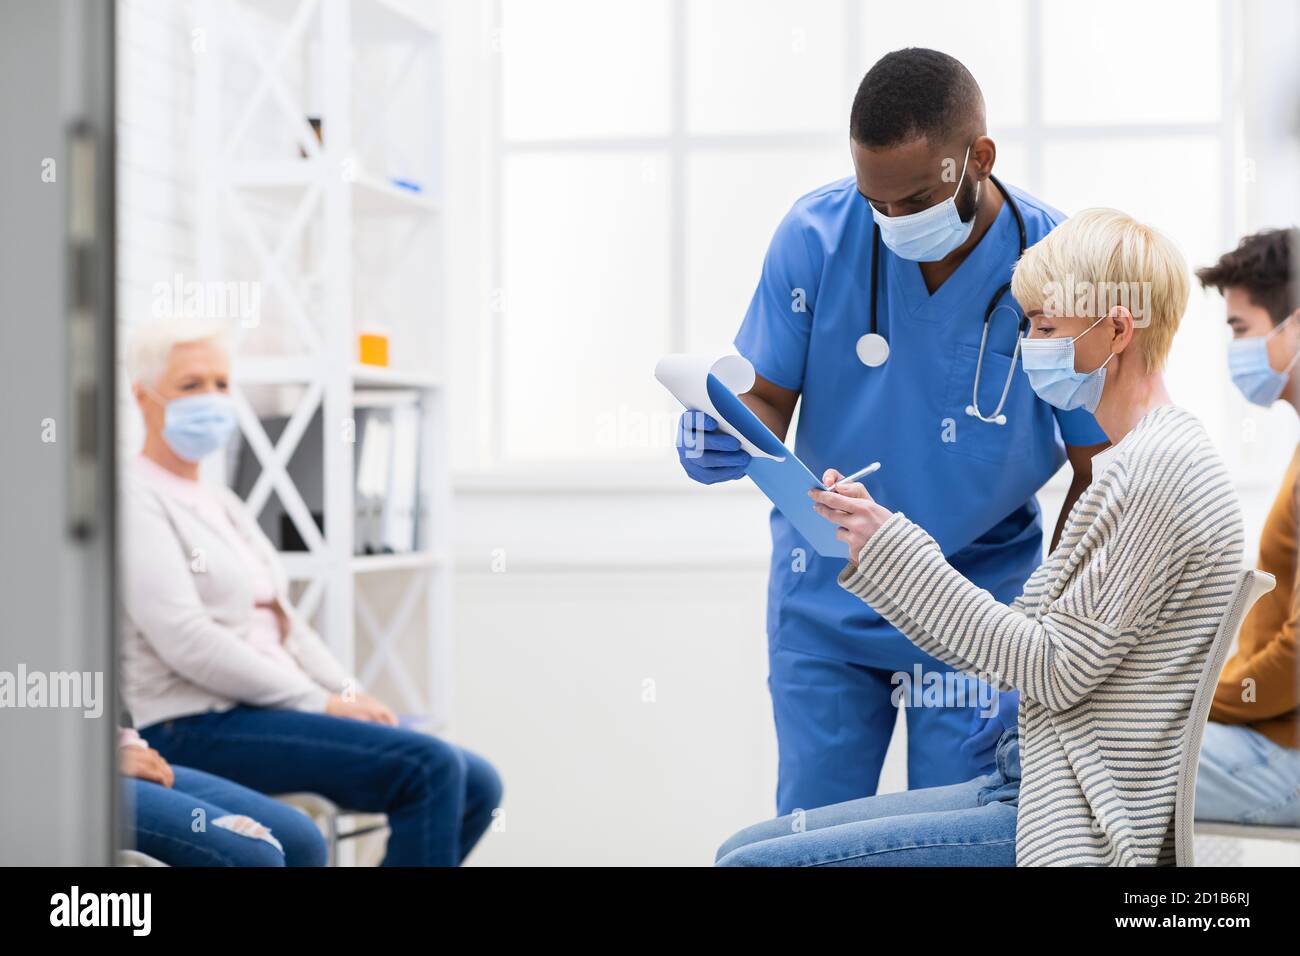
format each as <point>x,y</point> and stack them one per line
<point>707,453</point>
<point>852,509</point>
<point>980,747</point>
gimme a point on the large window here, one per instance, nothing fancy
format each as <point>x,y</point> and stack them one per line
<point>644,151</point>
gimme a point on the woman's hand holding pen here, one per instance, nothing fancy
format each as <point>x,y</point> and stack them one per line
<point>851,508</point>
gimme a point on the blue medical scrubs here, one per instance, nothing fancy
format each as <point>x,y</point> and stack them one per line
<point>969,483</point>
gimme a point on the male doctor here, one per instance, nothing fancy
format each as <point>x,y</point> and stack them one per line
<point>928,388</point>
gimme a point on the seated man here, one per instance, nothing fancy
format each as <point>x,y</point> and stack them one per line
<point>1112,630</point>
<point>1250,758</point>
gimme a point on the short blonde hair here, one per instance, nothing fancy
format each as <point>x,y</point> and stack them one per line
<point>150,344</point>
<point>1101,258</point>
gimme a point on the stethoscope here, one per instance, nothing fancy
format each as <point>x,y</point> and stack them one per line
<point>873,348</point>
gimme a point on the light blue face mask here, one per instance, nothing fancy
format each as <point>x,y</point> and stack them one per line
<point>1049,363</point>
<point>1251,373</point>
<point>928,235</point>
<point>197,425</point>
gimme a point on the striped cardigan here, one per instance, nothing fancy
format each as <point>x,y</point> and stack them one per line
<point>1105,645</point>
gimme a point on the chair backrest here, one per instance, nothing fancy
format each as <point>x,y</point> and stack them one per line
<point>136,858</point>
<point>1250,585</point>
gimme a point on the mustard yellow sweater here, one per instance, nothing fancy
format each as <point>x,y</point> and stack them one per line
<point>1260,685</point>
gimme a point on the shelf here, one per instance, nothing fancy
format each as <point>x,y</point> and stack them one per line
<point>373,563</point>
<point>304,565</point>
<point>299,370</point>
<point>373,21</point>
<point>376,376</point>
<point>274,174</point>
<point>392,19</point>
<point>372,194</point>
<point>285,179</point>
<point>270,370</point>
<point>396,46</point>
<point>301,565</point>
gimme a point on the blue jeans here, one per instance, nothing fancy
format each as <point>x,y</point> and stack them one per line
<point>438,797</point>
<point>161,821</point>
<point>1244,777</point>
<point>962,824</point>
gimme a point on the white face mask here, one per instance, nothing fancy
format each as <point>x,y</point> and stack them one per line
<point>928,235</point>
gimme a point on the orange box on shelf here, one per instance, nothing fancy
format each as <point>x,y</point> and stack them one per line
<point>373,347</point>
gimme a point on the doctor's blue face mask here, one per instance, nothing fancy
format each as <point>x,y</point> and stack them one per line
<point>197,425</point>
<point>1251,372</point>
<point>928,235</point>
<point>1049,363</point>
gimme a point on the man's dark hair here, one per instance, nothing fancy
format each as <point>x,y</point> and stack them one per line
<point>914,93</point>
<point>1263,265</point>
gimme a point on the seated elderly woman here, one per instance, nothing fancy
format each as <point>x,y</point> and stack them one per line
<point>219,671</point>
<point>1107,641</point>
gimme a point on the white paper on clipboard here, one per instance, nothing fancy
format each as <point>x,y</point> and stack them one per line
<point>686,376</point>
<point>714,385</point>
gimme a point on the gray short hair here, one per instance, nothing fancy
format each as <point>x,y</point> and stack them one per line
<point>150,343</point>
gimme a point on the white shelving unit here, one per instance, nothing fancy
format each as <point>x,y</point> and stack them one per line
<point>300,213</point>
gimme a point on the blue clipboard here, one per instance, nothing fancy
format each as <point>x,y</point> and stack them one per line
<point>785,479</point>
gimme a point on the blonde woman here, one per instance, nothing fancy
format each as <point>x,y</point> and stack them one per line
<point>219,671</point>
<point>1107,641</point>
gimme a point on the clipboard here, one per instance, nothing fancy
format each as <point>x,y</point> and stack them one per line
<point>713,385</point>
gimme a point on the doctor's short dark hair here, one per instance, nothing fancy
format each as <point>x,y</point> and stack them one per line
<point>913,93</point>
<point>1264,266</point>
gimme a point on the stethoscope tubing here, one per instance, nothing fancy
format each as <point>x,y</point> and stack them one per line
<point>973,409</point>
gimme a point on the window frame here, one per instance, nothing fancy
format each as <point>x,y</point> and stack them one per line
<point>677,144</point>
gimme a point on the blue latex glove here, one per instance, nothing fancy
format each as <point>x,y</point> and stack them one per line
<point>707,453</point>
<point>980,748</point>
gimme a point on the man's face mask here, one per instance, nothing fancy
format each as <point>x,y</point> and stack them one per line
<point>931,234</point>
<point>1250,369</point>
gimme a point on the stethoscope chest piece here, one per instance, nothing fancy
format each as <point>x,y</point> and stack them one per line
<point>872,350</point>
<point>996,419</point>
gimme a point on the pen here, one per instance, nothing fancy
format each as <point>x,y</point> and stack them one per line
<point>871,469</point>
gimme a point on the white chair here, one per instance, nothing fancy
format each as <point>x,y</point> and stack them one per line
<point>1250,586</point>
<point>326,813</point>
<point>136,858</point>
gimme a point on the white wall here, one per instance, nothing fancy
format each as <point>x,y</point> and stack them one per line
<point>624,707</point>
<point>156,172</point>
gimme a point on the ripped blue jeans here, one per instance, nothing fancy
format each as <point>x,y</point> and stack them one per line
<point>194,823</point>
